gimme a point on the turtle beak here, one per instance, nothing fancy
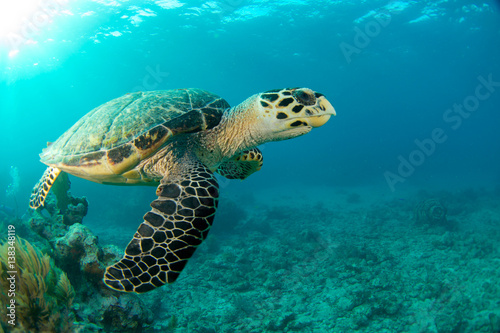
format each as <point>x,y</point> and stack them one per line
<point>321,113</point>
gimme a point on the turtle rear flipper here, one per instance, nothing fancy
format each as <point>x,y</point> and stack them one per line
<point>42,188</point>
<point>178,222</point>
<point>242,165</point>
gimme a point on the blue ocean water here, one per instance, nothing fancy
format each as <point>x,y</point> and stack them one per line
<point>416,88</point>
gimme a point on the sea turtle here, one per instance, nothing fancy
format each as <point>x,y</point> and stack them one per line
<point>175,140</point>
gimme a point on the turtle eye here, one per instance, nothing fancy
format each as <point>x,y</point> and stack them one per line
<point>304,96</point>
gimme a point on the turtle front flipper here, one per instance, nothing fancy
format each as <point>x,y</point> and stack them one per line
<point>178,222</point>
<point>242,165</point>
<point>42,188</point>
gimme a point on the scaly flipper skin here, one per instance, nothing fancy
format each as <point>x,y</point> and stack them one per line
<point>178,222</point>
<point>242,165</point>
<point>42,188</point>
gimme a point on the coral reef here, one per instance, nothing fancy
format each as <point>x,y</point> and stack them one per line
<point>63,209</point>
<point>319,262</point>
<point>114,312</point>
<point>75,249</point>
<point>337,267</point>
<point>73,209</point>
<point>78,252</point>
<point>43,293</point>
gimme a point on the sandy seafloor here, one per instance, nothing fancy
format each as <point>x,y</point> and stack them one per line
<point>338,260</point>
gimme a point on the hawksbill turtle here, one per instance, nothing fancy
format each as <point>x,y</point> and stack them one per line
<point>175,140</point>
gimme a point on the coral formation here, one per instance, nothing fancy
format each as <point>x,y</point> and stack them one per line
<point>76,250</point>
<point>63,208</point>
<point>73,209</point>
<point>43,293</point>
<point>113,312</point>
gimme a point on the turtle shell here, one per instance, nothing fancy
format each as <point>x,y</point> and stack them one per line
<point>114,137</point>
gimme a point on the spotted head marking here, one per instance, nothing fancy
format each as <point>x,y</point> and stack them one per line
<point>292,112</point>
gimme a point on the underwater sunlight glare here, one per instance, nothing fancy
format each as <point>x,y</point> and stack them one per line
<point>15,14</point>
<point>21,20</point>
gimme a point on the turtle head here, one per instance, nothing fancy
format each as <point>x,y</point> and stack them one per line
<point>273,115</point>
<point>288,113</point>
